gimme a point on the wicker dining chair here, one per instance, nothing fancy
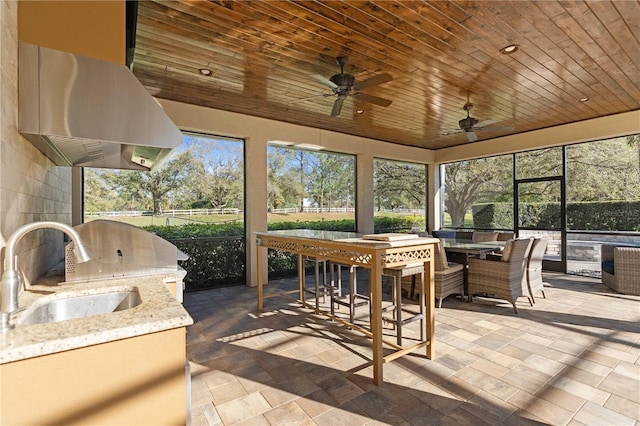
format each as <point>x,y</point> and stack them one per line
<point>534,267</point>
<point>505,278</point>
<point>449,276</point>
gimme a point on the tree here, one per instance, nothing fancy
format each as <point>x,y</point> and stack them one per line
<point>330,178</point>
<point>283,180</point>
<point>603,170</point>
<point>223,184</point>
<point>633,141</point>
<point>98,196</point>
<point>153,188</point>
<point>218,177</point>
<point>398,184</point>
<point>470,182</point>
<point>301,156</point>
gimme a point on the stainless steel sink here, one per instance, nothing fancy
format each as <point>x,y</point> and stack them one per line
<point>74,306</point>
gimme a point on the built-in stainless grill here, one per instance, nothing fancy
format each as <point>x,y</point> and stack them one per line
<point>122,250</point>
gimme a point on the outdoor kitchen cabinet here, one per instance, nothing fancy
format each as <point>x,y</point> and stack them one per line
<point>138,380</point>
<point>124,367</point>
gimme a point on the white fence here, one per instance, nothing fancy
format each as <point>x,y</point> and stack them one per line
<point>119,213</point>
<point>315,210</point>
<point>207,212</point>
<point>329,210</point>
<point>414,212</point>
<point>187,212</point>
<point>288,210</point>
<point>201,212</point>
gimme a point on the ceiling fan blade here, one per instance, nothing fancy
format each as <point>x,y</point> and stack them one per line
<point>337,106</point>
<point>372,99</point>
<point>497,129</point>
<point>483,123</point>
<point>378,79</point>
<point>324,81</point>
<point>308,98</point>
<point>471,136</point>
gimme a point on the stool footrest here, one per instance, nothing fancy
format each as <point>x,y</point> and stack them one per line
<point>412,319</point>
<point>405,321</point>
<point>347,304</point>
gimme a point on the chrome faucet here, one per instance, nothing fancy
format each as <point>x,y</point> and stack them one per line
<point>12,277</point>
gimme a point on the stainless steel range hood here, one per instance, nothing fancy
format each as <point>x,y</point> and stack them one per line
<point>81,111</point>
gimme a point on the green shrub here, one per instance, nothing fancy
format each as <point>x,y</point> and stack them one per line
<point>604,216</point>
<point>198,230</point>
<point>493,216</point>
<point>587,216</point>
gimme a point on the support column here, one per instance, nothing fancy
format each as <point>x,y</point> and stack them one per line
<point>435,194</point>
<point>364,193</point>
<point>255,207</point>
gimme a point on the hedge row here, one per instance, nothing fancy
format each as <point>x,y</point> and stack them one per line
<point>587,216</point>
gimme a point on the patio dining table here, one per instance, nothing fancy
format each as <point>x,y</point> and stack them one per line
<point>370,251</point>
<point>461,251</point>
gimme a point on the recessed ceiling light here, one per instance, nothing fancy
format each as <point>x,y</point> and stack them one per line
<point>205,71</point>
<point>508,50</point>
<point>360,111</point>
<point>585,99</point>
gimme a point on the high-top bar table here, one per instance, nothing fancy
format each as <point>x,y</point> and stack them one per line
<point>356,249</point>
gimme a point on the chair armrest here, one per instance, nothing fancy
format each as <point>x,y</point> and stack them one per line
<point>487,264</point>
<point>606,252</point>
<point>494,257</point>
<point>627,263</point>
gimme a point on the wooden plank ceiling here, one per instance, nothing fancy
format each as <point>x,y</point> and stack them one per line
<point>263,56</point>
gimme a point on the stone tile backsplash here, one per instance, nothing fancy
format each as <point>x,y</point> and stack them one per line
<point>32,188</point>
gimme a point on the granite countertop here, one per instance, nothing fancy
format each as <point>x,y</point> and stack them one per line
<point>158,311</point>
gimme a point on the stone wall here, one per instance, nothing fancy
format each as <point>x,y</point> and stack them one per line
<point>32,188</point>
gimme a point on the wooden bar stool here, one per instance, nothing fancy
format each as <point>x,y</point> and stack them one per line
<point>352,300</point>
<point>397,273</point>
<point>320,288</point>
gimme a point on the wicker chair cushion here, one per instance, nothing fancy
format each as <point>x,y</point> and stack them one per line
<point>506,236</point>
<point>506,253</point>
<point>453,268</point>
<point>441,258</point>
<point>479,237</point>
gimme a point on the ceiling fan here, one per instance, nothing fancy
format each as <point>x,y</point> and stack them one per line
<point>343,85</point>
<point>470,125</point>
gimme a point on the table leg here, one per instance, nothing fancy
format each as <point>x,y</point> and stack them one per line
<point>301,278</point>
<point>376,322</point>
<point>430,284</point>
<point>465,277</point>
